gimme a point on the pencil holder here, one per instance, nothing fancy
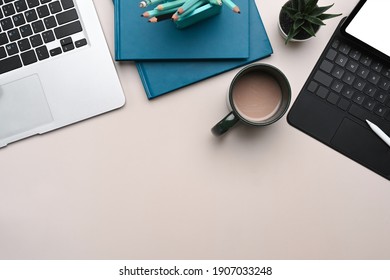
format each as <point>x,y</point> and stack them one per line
<point>203,12</point>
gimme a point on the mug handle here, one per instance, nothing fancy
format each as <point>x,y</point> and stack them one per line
<point>225,124</point>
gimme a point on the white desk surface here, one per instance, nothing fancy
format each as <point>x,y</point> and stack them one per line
<point>149,181</point>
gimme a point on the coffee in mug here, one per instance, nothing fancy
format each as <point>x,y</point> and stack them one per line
<point>259,95</point>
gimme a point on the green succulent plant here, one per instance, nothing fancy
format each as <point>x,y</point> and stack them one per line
<point>305,17</point>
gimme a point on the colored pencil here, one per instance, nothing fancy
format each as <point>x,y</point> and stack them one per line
<point>232,6</point>
<point>155,12</point>
<point>160,18</point>
<point>171,4</point>
<point>216,2</point>
<point>192,8</point>
<point>187,4</point>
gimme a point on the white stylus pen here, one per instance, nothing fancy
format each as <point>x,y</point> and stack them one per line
<point>379,132</point>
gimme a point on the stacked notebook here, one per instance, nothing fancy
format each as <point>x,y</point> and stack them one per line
<point>168,58</point>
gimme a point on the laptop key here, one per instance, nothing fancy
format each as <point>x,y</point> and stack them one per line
<point>13,35</point>
<point>50,22</point>
<point>67,30</point>
<point>38,26</point>
<point>18,19</point>
<point>24,45</point>
<point>12,49</point>
<point>80,43</point>
<point>43,11</point>
<point>3,53</point>
<point>66,41</point>
<point>20,5</point>
<point>55,7</point>
<point>32,3</point>
<point>42,52</point>
<point>36,40</point>
<point>3,39</point>
<point>68,47</point>
<point>9,10</point>
<point>25,30</point>
<point>28,57</point>
<point>10,63</point>
<point>55,51</point>
<point>48,36</point>
<point>67,16</point>
<point>67,4</point>
<point>31,15</point>
<point>6,24</point>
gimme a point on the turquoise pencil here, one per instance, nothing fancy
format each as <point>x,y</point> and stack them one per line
<point>186,5</point>
<point>216,2</point>
<point>172,4</point>
<point>232,6</point>
<point>155,12</point>
<point>191,9</point>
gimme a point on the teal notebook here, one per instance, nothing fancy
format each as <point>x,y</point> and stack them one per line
<point>224,36</point>
<point>162,77</point>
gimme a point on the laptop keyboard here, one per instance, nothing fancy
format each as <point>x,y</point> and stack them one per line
<point>35,30</point>
<point>353,82</point>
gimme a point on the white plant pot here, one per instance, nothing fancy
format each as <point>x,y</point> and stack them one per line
<point>284,35</point>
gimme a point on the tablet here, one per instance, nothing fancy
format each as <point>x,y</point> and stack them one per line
<point>368,25</point>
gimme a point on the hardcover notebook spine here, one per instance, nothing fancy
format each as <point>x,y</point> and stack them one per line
<point>144,80</point>
<point>117,28</point>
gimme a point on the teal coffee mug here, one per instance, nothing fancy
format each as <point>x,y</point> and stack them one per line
<point>259,95</point>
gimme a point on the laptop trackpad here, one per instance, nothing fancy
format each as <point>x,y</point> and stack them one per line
<point>363,145</point>
<point>23,106</point>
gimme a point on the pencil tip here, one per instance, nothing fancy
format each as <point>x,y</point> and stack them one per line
<point>175,17</point>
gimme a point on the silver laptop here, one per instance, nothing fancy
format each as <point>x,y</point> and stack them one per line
<point>55,67</point>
